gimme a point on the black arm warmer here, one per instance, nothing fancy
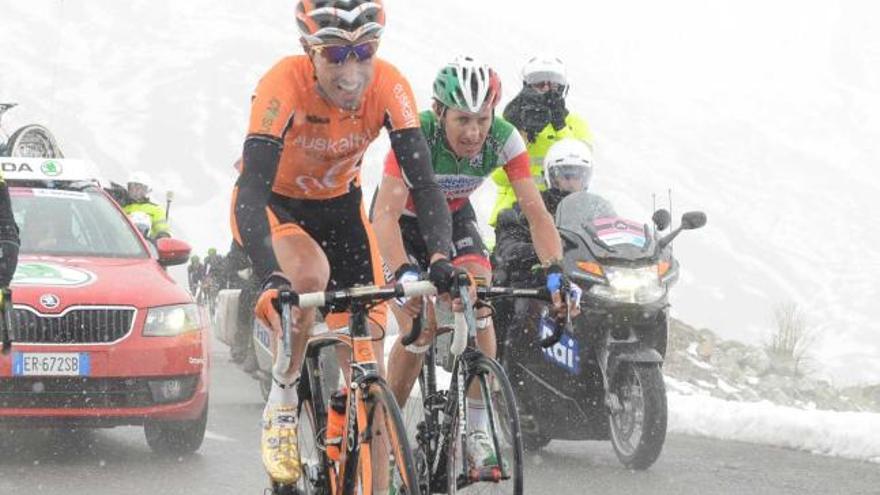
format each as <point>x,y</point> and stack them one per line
<point>261,155</point>
<point>414,157</point>
<point>9,241</point>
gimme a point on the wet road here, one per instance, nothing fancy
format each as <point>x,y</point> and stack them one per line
<point>118,461</point>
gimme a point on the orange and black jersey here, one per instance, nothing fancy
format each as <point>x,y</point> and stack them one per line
<point>300,146</point>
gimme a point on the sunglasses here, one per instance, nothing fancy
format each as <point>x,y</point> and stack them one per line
<point>546,86</point>
<point>338,54</point>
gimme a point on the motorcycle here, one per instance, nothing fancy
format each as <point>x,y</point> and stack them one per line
<point>604,380</point>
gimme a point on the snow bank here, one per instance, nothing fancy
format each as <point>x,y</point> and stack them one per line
<point>852,435</point>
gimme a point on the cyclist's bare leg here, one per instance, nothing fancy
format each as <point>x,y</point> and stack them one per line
<point>404,366</point>
<point>487,344</point>
<point>486,335</point>
<point>306,266</point>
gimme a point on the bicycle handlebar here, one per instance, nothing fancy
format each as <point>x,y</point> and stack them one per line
<point>344,297</point>
<point>465,322</point>
<point>541,294</point>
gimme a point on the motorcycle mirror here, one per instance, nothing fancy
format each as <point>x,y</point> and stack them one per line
<point>693,220</point>
<point>661,218</point>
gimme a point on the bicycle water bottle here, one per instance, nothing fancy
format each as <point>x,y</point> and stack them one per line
<point>335,424</point>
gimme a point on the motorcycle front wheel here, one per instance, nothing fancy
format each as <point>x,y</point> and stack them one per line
<point>638,422</point>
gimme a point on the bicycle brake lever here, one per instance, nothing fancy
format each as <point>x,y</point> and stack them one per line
<point>465,323</point>
<point>416,330</point>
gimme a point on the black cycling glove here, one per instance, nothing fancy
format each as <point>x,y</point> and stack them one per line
<point>443,274</point>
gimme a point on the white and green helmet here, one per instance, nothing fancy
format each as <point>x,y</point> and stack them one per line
<point>467,85</point>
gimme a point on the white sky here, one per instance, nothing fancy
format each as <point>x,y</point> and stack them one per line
<point>763,114</point>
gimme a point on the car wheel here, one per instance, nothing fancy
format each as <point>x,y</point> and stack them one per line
<point>176,437</point>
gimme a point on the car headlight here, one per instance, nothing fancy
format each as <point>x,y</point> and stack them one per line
<point>168,321</point>
<point>630,285</point>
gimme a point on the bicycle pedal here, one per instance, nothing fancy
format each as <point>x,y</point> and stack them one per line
<point>491,473</point>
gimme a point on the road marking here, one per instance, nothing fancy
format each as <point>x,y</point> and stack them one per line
<point>216,436</point>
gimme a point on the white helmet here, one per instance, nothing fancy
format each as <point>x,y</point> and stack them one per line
<point>139,177</point>
<point>138,186</point>
<point>569,158</point>
<point>545,69</point>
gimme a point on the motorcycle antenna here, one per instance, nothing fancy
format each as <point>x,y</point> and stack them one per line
<point>169,196</point>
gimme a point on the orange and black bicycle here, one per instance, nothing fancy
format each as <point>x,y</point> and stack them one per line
<point>372,455</point>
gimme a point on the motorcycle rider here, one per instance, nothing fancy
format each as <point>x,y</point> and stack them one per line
<point>467,142</point>
<point>568,168</point>
<point>298,204</point>
<point>540,114</point>
<point>138,186</point>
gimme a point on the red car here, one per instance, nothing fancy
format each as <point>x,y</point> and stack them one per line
<point>102,335</point>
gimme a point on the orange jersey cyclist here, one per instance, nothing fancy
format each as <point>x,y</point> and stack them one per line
<point>298,208</point>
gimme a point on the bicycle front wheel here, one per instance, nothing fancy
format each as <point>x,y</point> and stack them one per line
<point>389,466</point>
<point>488,456</point>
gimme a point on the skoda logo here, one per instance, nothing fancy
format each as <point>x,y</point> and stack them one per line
<point>51,168</point>
<point>50,301</point>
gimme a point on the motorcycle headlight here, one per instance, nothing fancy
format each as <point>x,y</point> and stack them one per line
<point>168,321</point>
<point>630,285</point>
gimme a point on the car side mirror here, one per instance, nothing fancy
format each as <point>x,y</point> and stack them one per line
<point>172,251</point>
<point>661,218</point>
<point>693,220</point>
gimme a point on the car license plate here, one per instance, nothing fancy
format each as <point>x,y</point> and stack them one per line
<point>51,364</point>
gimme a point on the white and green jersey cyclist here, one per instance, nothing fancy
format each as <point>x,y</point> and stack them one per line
<point>460,177</point>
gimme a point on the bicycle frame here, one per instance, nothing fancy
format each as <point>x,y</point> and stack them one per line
<point>435,436</point>
<point>364,370</point>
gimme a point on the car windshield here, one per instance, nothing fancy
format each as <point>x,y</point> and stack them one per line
<point>72,223</point>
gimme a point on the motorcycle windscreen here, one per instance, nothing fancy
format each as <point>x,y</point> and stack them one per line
<point>607,235</point>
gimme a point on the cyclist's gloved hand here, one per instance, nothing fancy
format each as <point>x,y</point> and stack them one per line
<point>267,309</point>
<point>442,274</point>
<point>407,273</point>
<point>555,278</point>
<point>558,285</point>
